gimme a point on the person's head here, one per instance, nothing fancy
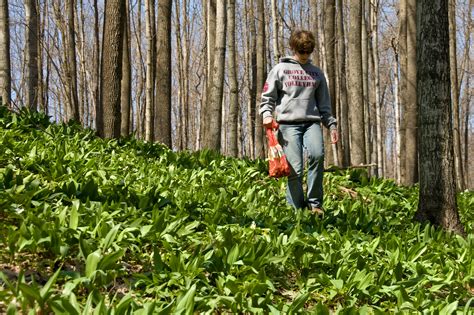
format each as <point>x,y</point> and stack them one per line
<point>302,43</point>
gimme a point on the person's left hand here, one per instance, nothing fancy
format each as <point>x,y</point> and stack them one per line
<point>334,136</point>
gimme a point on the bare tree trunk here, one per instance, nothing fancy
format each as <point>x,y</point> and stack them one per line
<point>330,47</point>
<point>252,78</point>
<point>467,94</point>
<point>343,119</point>
<point>315,28</point>
<point>437,201</point>
<point>374,6</point>
<point>460,183</point>
<point>275,28</point>
<point>112,67</point>
<point>150,73</point>
<point>126,84</point>
<point>356,108</point>
<point>5,66</point>
<point>234,88</point>
<point>396,106</point>
<point>32,46</point>
<point>71,62</point>
<point>212,138</point>
<point>402,49</point>
<point>99,112</point>
<point>410,116</point>
<point>260,78</point>
<point>163,75</point>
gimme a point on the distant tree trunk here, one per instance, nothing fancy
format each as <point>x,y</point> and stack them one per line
<point>374,6</point>
<point>315,27</point>
<point>212,139</point>
<point>260,77</point>
<point>5,66</point>
<point>275,30</point>
<point>99,112</point>
<point>234,88</point>
<point>252,80</point>
<point>437,201</point>
<point>112,67</point>
<point>150,68</point>
<point>460,183</point>
<point>330,45</point>
<point>396,106</point>
<point>356,108</point>
<point>369,124</point>
<point>32,47</point>
<point>163,75</point>
<point>73,112</point>
<point>126,84</point>
<point>402,95</point>
<point>410,112</point>
<point>343,122</point>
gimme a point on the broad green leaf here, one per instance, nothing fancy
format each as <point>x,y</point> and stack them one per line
<point>110,237</point>
<point>299,302</point>
<point>45,291</point>
<point>233,254</point>
<point>92,262</point>
<point>74,218</point>
<point>186,303</point>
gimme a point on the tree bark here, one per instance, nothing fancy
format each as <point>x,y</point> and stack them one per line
<point>275,30</point>
<point>5,65</point>
<point>111,73</point>
<point>402,87</point>
<point>126,84</point>
<point>437,200</point>
<point>410,112</point>
<point>356,108</point>
<point>32,47</point>
<point>234,88</point>
<point>212,138</point>
<point>460,183</point>
<point>71,68</point>
<point>163,75</point>
<point>260,78</point>
<point>150,65</point>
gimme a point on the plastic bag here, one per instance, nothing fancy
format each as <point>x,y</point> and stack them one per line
<point>277,164</point>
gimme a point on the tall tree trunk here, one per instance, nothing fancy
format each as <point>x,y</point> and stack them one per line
<point>356,108</point>
<point>437,201</point>
<point>275,30</point>
<point>31,33</point>
<point>212,138</point>
<point>150,65</point>
<point>460,183</point>
<point>402,87</point>
<point>467,92</point>
<point>163,75</point>
<point>234,88</point>
<point>410,113</point>
<point>396,107</point>
<point>5,66</point>
<point>71,61</point>
<point>99,112</point>
<point>343,119</point>
<point>315,27</point>
<point>330,45</point>
<point>260,78</point>
<point>368,126</point>
<point>126,84</point>
<point>252,50</point>
<point>112,67</point>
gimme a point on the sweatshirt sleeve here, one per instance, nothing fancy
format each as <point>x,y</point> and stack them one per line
<point>269,94</point>
<point>323,100</point>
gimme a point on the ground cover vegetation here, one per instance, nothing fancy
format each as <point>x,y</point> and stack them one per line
<point>127,227</point>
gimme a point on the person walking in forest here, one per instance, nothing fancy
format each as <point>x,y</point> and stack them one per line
<point>296,96</point>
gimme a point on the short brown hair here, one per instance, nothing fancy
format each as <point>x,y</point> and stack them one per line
<point>302,40</point>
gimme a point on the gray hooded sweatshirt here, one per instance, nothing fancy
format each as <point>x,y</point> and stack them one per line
<point>297,93</point>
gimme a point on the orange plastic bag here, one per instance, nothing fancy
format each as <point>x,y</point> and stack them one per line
<point>277,164</point>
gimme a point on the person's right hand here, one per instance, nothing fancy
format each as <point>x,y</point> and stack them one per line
<point>268,122</point>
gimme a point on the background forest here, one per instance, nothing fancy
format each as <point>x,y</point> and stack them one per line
<point>192,71</point>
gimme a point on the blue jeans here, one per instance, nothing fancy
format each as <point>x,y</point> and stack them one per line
<point>294,138</point>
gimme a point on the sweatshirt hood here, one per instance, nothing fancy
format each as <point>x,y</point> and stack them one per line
<point>290,59</point>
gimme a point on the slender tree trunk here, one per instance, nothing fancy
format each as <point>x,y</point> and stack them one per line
<point>396,107</point>
<point>150,64</point>
<point>356,108</point>
<point>126,84</point>
<point>234,88</point>
<point>368,126</point>
<point>260,78</point>
<point>343,119</point>
<point>71,61</point>
<point>410,114</point>
<point>467,92</point>
<point>437,201</point>
<point>330,45</point>
<point>163,75</point>
<point>402,49</point>
<point>99,112</point>
<point>315,27</point>
<point>212,139</point>
<point>112,67</point>
<point>460,183</point>
<point>31,33</point>
<point>275,29</point>
<point>5,66</point>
